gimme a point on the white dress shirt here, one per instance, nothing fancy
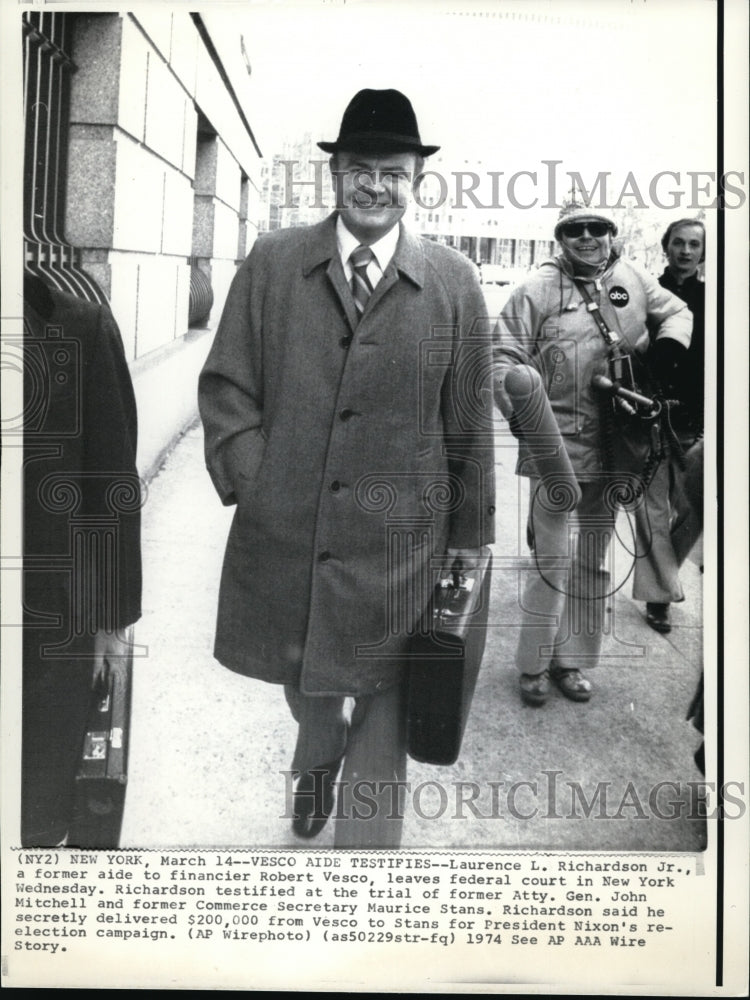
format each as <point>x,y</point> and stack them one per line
<point>383,251</point>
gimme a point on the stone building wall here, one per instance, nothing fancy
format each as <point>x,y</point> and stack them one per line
<point>163,179</point>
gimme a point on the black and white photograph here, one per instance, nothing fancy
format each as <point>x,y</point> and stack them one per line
<point>374,553</point>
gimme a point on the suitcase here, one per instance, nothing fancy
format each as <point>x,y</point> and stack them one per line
<point>444,660</point>
<point>102,775</point>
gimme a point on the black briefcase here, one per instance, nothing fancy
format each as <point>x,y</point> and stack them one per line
<point>444,660</point>
<point>102,773</point>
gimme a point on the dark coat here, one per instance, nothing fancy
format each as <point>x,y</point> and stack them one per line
<point>81,538</point>
<point>691,369</point>
<point>339,442</point>
<point>80,437</point>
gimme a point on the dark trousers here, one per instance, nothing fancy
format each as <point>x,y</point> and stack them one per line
<point>56,697</point>
<point>368,812</point>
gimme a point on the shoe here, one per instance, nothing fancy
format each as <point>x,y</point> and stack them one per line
<point>534,688</point>
<point>313,799</point>
<point>572,683</point>
<point>657,616</point>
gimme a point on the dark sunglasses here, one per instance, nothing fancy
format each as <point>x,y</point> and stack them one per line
<point>572,230</point>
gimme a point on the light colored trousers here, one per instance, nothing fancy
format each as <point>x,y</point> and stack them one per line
<point>566,593</point>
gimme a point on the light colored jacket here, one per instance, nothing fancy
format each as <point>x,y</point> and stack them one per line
<point>546,323</point>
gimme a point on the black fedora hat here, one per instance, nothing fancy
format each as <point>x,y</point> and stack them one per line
<point>379,120</point>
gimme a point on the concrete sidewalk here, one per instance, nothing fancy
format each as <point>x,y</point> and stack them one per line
<point>209,747</point>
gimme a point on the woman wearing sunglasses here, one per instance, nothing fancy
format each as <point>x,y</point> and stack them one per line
<point>582,316</point>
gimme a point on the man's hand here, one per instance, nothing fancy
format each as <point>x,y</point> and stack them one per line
<point>111,650</point>
<point>465,558</point>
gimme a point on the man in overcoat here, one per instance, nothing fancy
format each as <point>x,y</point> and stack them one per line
<point>344,412</point>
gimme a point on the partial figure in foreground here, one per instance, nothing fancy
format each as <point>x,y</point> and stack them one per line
<point>670,521</point>
<point>82,550</point>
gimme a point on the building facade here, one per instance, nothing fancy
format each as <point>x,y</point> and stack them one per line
<point>141,188</point>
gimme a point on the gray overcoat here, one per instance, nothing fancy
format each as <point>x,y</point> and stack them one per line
<point>355,452</point>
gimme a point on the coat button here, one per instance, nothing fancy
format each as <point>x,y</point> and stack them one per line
<point>491,509</point>
<point>345,414</point>
<point>324,556</point>
<point>345,341</point>
<point>335,486</point>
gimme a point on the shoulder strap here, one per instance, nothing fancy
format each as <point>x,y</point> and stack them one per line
<point>610,336</point>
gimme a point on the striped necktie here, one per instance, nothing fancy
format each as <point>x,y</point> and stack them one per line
<point>361,284</point>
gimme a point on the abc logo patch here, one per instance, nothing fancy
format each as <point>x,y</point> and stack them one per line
<point>618,296</point>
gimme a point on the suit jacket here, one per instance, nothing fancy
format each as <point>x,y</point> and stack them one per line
<point>355,452</point>
<point>691,369</point>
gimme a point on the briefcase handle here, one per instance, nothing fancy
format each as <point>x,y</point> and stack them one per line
<point>458,587</point>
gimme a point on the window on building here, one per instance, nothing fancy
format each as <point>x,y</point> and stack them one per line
<point>48,65</point>
<point>201,293</point>
<point>523,253</point>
